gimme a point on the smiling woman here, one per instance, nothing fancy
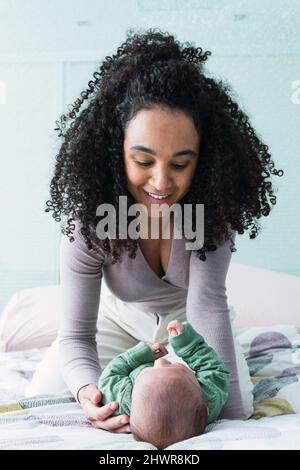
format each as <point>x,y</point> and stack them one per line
<point>154,126</point>
<point>167,173</point>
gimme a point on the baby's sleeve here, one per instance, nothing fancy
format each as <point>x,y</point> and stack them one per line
<point>208,367</point>
<point>115,382</point>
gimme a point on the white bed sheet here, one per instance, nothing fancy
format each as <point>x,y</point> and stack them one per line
<point>59,423</point>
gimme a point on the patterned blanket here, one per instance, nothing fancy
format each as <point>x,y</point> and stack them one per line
<point>273,358</point>
<point>57,422</point>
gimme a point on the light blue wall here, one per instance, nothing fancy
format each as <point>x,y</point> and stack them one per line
<point>263,86</point>
<point>48,51</point>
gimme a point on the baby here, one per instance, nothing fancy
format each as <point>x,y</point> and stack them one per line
<point>167,402</point>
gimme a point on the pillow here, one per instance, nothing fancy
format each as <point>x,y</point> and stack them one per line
<point>262,297</point>
<point>30,319</point>
<point>273,358</point>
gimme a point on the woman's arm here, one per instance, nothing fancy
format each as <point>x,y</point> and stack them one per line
<point>81,274</point>
<point>208,313</point>
<point>80,279</point>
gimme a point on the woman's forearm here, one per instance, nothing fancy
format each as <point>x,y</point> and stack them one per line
<point>80,279</point>
<point>208,313</point>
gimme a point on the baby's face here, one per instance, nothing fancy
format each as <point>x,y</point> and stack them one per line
<point>165,367</point>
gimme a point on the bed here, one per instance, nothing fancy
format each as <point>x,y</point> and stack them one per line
<point>266,306</point>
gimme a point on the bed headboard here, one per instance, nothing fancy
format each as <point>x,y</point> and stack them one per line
<point>260,297</point>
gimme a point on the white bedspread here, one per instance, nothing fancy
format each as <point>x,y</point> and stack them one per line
<point>59,423</point>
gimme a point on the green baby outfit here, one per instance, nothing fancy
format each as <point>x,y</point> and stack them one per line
<point>117,379</point>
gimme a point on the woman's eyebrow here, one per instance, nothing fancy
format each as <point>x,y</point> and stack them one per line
<point>141,148</point>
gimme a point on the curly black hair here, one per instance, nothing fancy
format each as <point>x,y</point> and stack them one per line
<point>152,68</point>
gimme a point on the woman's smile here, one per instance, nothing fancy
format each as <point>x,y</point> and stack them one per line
<point>155,198</point>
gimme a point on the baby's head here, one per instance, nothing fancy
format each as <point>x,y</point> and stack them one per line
<point>167,404</point>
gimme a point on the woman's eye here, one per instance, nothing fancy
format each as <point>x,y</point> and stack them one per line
<point>177,167</point>
<point>180,167</point>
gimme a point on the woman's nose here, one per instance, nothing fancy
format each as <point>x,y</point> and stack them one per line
<point>160,181</point>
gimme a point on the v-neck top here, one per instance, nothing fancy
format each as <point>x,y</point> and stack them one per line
<point>197,285</point>
<point>148,266</point>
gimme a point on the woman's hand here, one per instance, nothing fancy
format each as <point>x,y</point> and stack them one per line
<point>158,349</point>
<point>89,397</point>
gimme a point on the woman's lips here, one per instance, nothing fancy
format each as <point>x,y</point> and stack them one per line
<point>153,200</point>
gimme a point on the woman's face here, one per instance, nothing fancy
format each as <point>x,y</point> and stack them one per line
<point>152,140</point>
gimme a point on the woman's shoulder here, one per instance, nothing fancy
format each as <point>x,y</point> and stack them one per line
<point>78,247</point>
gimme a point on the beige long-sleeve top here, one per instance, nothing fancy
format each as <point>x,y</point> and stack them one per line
<point>190,282</point>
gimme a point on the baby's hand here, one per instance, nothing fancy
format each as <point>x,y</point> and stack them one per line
<point>158,349</point>
<point>175,328</point>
